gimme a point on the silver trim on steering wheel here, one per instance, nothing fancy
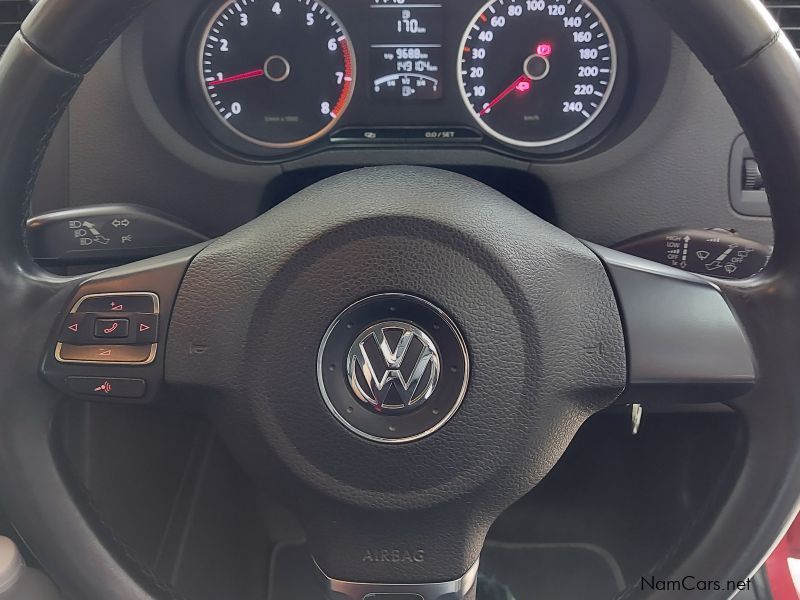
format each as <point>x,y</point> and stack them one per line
<point>446,590</point>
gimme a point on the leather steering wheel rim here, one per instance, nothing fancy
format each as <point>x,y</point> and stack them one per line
<point>737,41</point>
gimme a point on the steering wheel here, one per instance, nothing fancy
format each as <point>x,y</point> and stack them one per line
<point>520,332</point>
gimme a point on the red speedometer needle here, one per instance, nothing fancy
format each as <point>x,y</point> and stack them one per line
<point>239,77</point>
<point>521,84</point>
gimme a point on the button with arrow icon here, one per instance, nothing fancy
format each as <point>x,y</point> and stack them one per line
<point>72,329</point>
<point>146,328</point>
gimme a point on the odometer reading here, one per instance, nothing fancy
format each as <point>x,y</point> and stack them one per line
<point>537,72</point>
<point>279,73</point>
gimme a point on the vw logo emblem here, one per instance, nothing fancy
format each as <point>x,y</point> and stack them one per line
<point>393,367</point>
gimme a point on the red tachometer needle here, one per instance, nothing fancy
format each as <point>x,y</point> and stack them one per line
<point>239,77</point>
<point>516,85</point>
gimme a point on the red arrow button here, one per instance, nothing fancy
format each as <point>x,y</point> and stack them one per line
<point>143,327</point>
<point>73,327</point>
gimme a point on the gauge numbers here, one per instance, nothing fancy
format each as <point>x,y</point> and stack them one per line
<point>537,72</point>
<point>278,73</point>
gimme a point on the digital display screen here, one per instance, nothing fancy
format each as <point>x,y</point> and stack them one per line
<point>406,50</point>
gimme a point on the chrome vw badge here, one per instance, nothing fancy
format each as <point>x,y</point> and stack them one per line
<point>393,366</point>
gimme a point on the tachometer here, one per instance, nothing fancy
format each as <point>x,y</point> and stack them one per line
<point>278,73</point>
<point>537,72</point>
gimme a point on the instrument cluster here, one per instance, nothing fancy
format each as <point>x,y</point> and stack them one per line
<point>274,80</point>
<point>270,77</point>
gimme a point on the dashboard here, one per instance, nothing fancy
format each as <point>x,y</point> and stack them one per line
<point>498,90</point>
<point>213,128</point>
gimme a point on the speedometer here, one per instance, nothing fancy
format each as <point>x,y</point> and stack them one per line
<point>277,73</point>
<point>537,72</point>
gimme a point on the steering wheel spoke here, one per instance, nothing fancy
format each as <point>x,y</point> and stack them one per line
<point>105,334</point>
<point>683,339</point>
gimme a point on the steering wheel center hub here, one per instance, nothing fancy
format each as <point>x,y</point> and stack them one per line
<point>393,368</point>
<point>408,349</point>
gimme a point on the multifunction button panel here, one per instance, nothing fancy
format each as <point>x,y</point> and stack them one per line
<point>107,342</point>
<point>119,329</point>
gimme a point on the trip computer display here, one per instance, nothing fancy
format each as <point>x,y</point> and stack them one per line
<point>406,50</point>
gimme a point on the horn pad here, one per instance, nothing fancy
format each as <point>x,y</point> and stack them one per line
<point>538,317</point>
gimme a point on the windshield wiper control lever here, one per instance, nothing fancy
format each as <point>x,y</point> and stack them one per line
<point>713,252</point>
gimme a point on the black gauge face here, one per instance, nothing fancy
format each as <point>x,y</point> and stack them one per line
<point>279,73</point>
<point>537,72</point>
